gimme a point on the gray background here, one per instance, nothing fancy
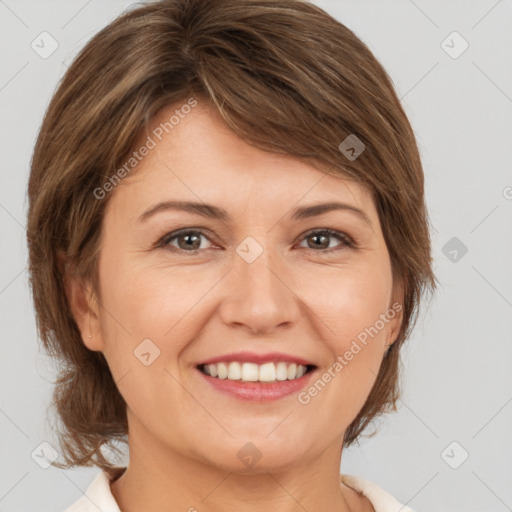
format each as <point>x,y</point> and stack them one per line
<point>457,380</point>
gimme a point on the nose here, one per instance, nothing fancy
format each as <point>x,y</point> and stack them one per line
<point>259,295</point>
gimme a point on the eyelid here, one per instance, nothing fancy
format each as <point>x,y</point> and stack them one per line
<point>344,239</point>
<point>165,240</point>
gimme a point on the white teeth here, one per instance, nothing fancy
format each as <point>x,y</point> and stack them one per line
<point>292,371</point>
<point>234,371</point>
<point>281,371</point>
<point>222,370</point>
<point>252,372</point>
<point>267,372</point>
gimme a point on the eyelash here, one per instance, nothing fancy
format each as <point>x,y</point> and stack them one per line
<point>345,240</point>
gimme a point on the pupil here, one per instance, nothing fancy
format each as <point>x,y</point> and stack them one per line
<point>188,237</point>
<point>320,236</point>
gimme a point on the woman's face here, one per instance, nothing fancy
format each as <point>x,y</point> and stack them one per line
<point>259,283</point>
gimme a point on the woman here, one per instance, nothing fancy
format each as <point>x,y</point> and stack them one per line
<point>228,245</point>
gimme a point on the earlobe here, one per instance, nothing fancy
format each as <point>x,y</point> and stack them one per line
<point>83,308</point>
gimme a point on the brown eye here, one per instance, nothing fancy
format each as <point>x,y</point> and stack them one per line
<point>322,239</point>
<point>318,241</point>
<point>188,241</point>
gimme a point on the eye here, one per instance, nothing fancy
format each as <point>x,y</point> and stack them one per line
<point>321,239</point>
<point>187,240</point>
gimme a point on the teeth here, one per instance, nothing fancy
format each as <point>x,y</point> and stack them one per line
<point>234,371</point>
<point>252,372</point>
<point>222,370</point>
<point>249,371</point>
<point>267,372</point>
<point>281,371</point>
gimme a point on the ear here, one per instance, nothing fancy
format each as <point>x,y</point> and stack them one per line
<point>397,306</point>
<point>84,306</point>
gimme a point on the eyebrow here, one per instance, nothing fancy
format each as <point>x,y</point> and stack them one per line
<point>215,212</point>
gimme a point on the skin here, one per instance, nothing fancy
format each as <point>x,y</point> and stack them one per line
<point>296,297</point>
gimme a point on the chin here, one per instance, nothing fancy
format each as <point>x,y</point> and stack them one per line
<point>256,456</point>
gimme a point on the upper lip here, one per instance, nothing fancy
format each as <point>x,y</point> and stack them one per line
<point>252,357</point>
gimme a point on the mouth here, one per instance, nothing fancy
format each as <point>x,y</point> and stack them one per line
<point>270,372</point>
<point>256,377</point>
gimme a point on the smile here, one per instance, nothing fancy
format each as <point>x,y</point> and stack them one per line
<point>252,372</point>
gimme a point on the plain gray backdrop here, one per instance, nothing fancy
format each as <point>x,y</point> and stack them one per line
<point>448,448</point>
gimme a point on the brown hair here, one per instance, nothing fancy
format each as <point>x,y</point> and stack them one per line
<point>286,77</point>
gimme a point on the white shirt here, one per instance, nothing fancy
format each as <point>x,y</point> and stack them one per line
<point>98,496</point>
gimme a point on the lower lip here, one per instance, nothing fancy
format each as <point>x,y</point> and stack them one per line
<point>258,391</point>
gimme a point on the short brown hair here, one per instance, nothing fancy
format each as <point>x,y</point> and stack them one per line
<point>287,78</point>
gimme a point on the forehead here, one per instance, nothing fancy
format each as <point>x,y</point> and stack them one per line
<point>195,156</point>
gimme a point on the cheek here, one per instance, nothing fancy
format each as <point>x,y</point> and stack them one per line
<point>347,306</point>
<point>158,302</point>
<point>349,301</point>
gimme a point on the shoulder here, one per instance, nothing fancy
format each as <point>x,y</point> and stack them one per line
<point>98,496</point>
<point>380,499</point>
